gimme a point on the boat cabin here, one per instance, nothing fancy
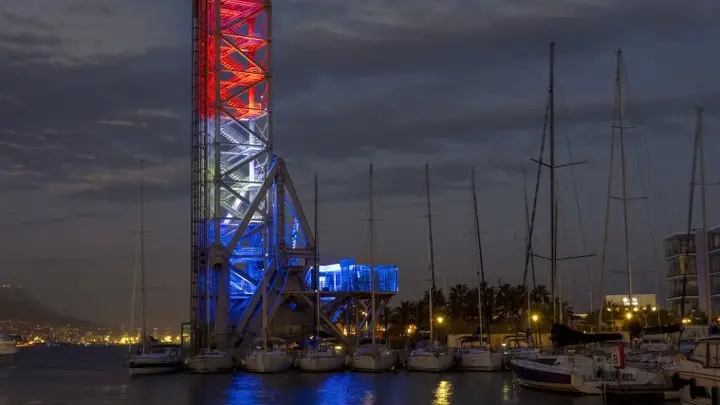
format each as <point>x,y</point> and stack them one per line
<point>706,352</point>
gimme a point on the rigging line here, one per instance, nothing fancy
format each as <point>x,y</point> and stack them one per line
<point>528,248</point>
<point>580,222</point>
<point>133,298</point>
<point>603,259</point>
<point>651,229</point>
<point>527,234</point>
<point>686,248</point>
<point>647,182</point>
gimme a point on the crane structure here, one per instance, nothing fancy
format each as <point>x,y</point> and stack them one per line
<point>247,224</point>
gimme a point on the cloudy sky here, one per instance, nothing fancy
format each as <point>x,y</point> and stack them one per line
<point>87,87</point>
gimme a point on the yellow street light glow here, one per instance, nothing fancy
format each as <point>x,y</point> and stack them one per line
<point>440,319</point>
<point>535,317</point>
<point>628,315</point>
<point>654,308</point>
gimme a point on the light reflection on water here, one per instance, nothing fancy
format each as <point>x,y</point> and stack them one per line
<point>93,376</point>
<point>443,393</point>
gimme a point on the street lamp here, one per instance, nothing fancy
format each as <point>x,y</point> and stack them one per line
<point>440,319</point>
<point>535,318</point>
<point>628,315</point>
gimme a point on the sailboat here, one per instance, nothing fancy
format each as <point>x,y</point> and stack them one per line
<point>476,354</point>
<point>151,358</point>
<point>698,374</point>
<point>269,354</point>
<point>323,356</point>
<point>430,355</point>
<point>210,360</point>
<point>372,355</point>
<point>578,373</point>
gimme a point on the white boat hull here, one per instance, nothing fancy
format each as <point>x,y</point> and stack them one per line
<point>579,380</point>
<point>481,361</point>
<point>434,362</point>
<point>321,363</point>
<point>374,363</point>
<point>210,363</point>
<point>267,362</point>
<point>8,349</point>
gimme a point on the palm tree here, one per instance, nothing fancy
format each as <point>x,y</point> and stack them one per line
<point>404,315</point>
<point>458,306</point>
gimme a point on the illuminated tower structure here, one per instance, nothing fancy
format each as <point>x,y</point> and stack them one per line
<point>248,226</point>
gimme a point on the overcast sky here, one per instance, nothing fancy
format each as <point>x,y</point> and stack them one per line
<point>87,87</point>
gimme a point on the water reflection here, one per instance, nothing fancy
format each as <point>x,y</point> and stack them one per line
<point>443,393</point>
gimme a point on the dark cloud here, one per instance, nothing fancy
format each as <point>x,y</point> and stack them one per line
<point>90,7</point>
<point>24,21</point>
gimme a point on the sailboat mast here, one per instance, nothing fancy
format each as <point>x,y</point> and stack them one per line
<point>553,219</point>
<point>481,271</point>
<point>623,164</point>
<point>371,200</point>
<point>431,248</point>
<point>703,207</point>
<point>527,243</point>
<point>316,272</point>
<point>142,256</point>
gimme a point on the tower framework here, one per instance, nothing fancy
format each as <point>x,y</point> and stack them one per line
<point>248,226</point>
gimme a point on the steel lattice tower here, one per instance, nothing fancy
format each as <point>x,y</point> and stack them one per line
<point>248,226</point>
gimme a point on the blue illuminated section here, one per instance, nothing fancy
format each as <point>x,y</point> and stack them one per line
<point>250,253</point>
<point>352,277</point>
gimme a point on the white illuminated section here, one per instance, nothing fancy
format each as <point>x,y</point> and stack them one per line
<point>330,268</point>
<point>626,301</point>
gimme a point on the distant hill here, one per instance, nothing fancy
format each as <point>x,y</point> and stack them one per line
<point>18,304</point>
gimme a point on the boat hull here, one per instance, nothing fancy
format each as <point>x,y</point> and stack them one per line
<point>209,363</point>
<point>154,369</point>
<point>579,380</point>
<point>373,363</point>
<point>320,363</point>
<point>153,363</point>
<point>268,362</point>
<point>8,350</point>
<point>430,362</point>
<point>481,361</point>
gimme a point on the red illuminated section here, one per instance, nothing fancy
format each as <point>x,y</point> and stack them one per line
<point>240,77</point>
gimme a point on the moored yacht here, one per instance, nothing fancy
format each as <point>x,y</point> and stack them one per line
<point>321,355</point>
<point>7,345</point>
<point>372,354</point>
<point>157,359</point>
<point>268,357</point>
<point>476,355</point>
<point>325,357</point>
<point>373,357</point>
<point>578,373</point>
<point>429,356</point>
<point>699,373</point>
<point>211,361</point>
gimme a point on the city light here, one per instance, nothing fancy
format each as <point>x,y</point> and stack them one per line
<point>686,320</point>
<point>628,315</point>
<point>654,309</point>
<point>535,317</point>
<point>440,319</point>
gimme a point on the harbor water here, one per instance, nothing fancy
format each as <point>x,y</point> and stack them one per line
<point>98,375</point>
